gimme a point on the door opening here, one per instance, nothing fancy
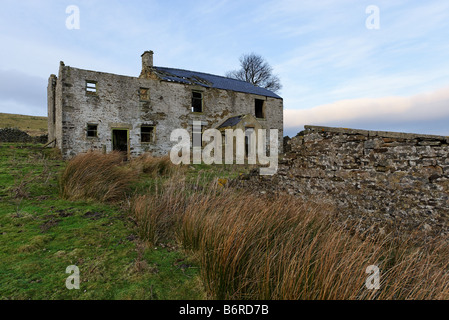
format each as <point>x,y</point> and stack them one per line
<point>249,142</point>
<point>120,139</point>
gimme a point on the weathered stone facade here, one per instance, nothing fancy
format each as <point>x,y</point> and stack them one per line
<point>89,110</point>
<point>385,181</point>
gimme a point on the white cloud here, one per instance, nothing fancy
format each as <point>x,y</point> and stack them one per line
<point>425,107</point>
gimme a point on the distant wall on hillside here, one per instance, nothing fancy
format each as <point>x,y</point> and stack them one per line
<point>16,135</point>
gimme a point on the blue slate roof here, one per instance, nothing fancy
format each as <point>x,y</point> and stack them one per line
<point>211,81</point>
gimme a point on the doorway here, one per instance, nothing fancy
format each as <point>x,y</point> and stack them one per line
<point>120,138</point>
<point>249,142</point>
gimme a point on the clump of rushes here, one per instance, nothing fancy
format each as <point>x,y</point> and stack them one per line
<point>254,246</point>
<point>98,176</point>
<point>157,213</point>
<point>155,166</point>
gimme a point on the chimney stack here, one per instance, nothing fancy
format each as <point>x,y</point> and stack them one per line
<point>147,60</point>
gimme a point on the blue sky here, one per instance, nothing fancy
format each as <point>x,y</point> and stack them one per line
<point>335,71</point>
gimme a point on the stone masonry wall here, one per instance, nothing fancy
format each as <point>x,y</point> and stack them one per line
<point>117,105</point>
<point>384,180</point>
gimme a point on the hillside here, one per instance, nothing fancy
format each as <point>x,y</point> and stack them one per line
<point>33,125</point>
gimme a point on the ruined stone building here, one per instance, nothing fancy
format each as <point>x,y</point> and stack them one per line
<point>90,110</point>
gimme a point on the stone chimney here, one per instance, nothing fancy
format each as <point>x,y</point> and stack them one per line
<point>147,60</point>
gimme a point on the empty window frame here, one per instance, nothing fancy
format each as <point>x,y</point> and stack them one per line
<point>91,87</point>
<point>197,101</point>
<point>144,94</point>
<point>260,108</point>
<point>92,130</point>
<point>147,134</point>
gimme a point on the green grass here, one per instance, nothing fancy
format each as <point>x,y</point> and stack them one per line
<point>210,172</point>
<point>33,125</point>
<point>41,235</point>
<point>186,233</point>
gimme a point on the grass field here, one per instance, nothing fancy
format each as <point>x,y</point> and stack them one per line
<point>147,229</point>
<point>34,126</point>
<point>41,235</point>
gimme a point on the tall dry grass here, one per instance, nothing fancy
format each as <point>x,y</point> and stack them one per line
<point>106,177</point>
<point>157,214</point>
<point>94,175</point>
<point>155,166</point>
<point>254,246</point>
<point>262,247</point>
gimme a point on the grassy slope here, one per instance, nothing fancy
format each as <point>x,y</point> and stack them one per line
<point>40,235</point>
<point>32,125</point>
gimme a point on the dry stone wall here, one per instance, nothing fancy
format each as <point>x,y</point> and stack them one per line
<point>386,181</point>
<point>17,135</point>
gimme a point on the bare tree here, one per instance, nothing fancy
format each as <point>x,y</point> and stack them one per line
<point>255,70</point>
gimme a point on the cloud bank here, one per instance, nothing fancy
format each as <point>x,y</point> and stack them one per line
<point>412,114</point>
<point>22,93</point>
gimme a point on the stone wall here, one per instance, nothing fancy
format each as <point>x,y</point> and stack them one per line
<point>51,106</point>
<point>17,135</point>
<point>384,180</point>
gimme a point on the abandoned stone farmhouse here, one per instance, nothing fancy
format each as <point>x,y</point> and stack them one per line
<point>90,110</point>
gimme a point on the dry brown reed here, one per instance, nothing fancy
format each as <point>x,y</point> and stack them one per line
<point>262,247</point>
<point>94,175</point>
